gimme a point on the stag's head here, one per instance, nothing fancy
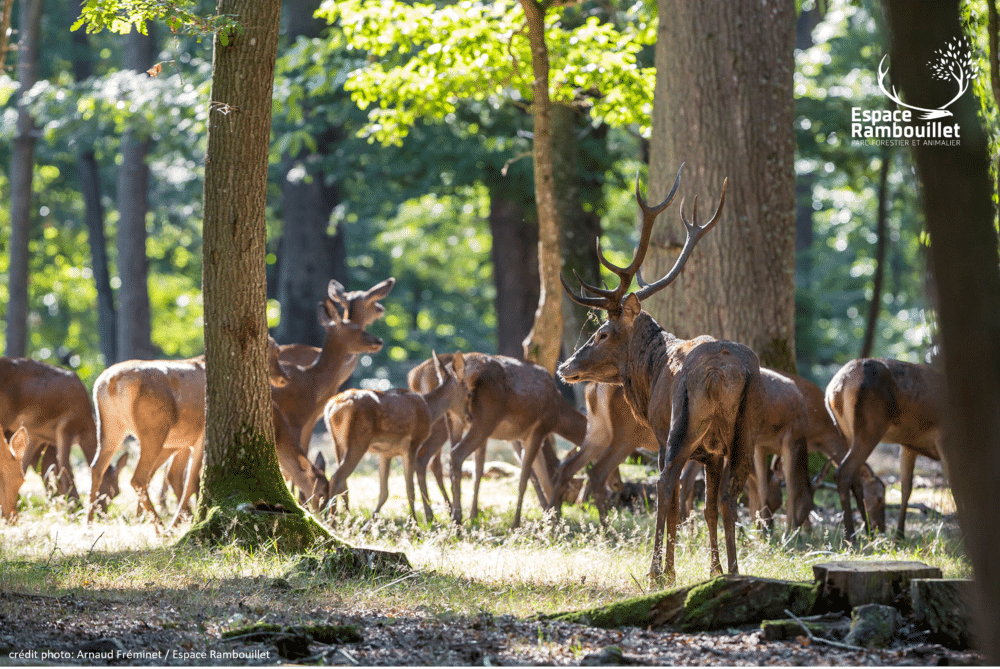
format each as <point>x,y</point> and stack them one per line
<point>600,358</point>
<point>359,311</point>
<point>360,306</point>
<point>11,473</point>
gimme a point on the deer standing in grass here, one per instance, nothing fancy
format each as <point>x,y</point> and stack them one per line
<point>11,473</point>
<point>162,404</point>
<point>393,423</point>
<point>702,398</point>
<point>52,404</point>
<point>450,427</point>
<point>877,399</point>
<point>516,401</point>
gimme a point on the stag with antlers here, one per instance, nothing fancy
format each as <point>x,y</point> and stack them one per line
<point>702,397</point>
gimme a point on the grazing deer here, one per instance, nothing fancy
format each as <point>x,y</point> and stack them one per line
<point>11,473</point>
<point>162,404</point>
<point>702,398</point>
<point>52,404</point>
<point>877,399</point>
<point>515,401</point>
<point>613,434</point>
<point>392,423</point>
<point>450,427</point>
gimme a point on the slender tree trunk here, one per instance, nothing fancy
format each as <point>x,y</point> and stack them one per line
<point>6,6</point>
<point>543,343</point>
<point>90,187</point>
<point>22,165</point>
<point>880,246</point>
<point>724,106</point>
<point>957,195</point>
<point>241,478</point>
<point>134,325</point>
<point>515,268</point>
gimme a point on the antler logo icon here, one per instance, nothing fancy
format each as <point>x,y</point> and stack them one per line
<point>954,61</point>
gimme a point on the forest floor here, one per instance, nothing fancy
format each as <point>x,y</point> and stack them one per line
<point>117,593</point>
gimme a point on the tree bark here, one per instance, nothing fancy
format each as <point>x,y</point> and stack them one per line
<point>22,164</point>
<point>880,246</point>
<point>542,345</point>
<point>134,325</point>
<point>723,105</point>
<point>90,188</point>
<point>306,260</point>
<point>6,7</point>
<point>515,267</point>
<point>243,494</point>
<point>964,262</point>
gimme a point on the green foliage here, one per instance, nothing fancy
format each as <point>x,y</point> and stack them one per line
<point>423,60</point>
<point>180,16</point>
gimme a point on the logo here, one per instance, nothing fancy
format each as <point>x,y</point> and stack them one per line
<point>953,62</point>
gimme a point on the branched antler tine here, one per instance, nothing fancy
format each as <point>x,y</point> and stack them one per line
<point>694,233</point>
<point>584,300</point>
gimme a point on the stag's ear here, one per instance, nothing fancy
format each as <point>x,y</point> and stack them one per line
<point>631,308</point>
<point>458,364</point>
<point>335,291</point>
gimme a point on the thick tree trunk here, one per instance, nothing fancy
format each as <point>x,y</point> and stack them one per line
<point>134,325</point>
<point>543,343</point>
<point>515,267</point>
<point>22,165</point>
<point>957,193</point>
<point>241,479</point>
<point>306,259</point>
<point>724,107</point>
<point>90,187</point>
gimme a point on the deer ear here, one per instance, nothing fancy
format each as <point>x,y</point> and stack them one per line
<point>458,364</point>
<point>631,307</point>
<point>327,313</point>
<point>335,291</point>
<point>438,368</point>
<point>19,443</point>
<point>121,462</point>
<point>380,290</point>
<point>320,463</point>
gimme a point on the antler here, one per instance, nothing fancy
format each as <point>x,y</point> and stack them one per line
<point>694,233</point>
<point>611,299</point>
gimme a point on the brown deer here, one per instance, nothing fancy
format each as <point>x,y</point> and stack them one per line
<point>450,427</point>
<point>613,434</point>
<point>11,473</point>
<point>162,404</point>
<point>360,307</point>
<point>52,404</point>
<point>516,401</point>
<point>877,399</point>
<point>392,423</point>
<point>702,398</point>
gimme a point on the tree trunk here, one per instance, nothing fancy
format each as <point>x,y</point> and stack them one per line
<point>306,252</point>
<point>868,343</point>
<point>515,266</point>
<point>724,106</point>
<point>6,7</point>
<point>90,187</point>
<point>579,228</point>
<point>22,165</point>
<point>543,343</point>
<point>243,494</point>
<point>134,324</point>
<point>964,262</point>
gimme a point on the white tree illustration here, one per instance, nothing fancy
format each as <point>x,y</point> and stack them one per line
<point>954,61</point>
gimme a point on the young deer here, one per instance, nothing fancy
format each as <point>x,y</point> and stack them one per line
<point>52,404</point>
<point>392,423</point>
<point>702,398</point>
<point>11,473</point>
<point>876,399</point>
<point>516,401</point>
<point>450,427</point>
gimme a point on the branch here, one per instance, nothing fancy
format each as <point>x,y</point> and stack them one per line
<point>819,639</point>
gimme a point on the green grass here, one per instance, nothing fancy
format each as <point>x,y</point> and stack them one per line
<point>483,566</point>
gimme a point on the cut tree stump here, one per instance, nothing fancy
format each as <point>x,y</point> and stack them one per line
<point>725,601</point>
<point>873,626</point>
<point>846,585</point>
<point>943,606</point>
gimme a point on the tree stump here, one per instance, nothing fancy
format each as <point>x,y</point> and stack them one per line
<point>943,606</point>
<point>846,585</point>
<point>873,626</point>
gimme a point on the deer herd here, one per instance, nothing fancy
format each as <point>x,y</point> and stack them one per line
<point>699,403</point>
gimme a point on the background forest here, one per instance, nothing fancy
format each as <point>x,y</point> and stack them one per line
<point>440,196</point>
